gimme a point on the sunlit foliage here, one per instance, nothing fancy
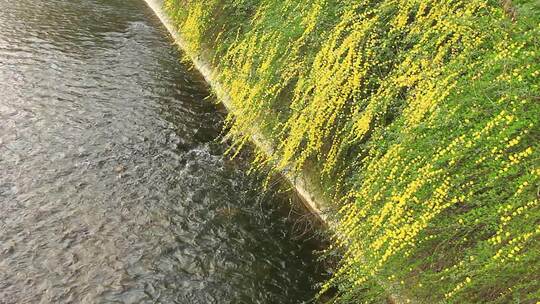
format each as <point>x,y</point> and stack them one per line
<point>423,118</point>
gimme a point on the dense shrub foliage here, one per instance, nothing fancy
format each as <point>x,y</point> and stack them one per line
<point>423,118</point>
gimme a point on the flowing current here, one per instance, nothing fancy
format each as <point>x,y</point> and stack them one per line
<point>113,187</point>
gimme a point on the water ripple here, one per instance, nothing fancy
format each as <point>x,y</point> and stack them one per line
<point>112,186</point>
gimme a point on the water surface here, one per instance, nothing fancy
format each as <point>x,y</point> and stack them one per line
<point>113,187</point>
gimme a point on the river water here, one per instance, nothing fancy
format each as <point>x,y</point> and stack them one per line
<point>113,187</point>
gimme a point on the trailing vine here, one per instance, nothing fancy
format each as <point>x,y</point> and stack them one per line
<point>423,119</point>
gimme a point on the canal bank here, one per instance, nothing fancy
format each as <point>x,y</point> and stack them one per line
<point>396,106</point>
<point>309,193</point>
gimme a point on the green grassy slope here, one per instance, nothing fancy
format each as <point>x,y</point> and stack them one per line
<point>423,118</point>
